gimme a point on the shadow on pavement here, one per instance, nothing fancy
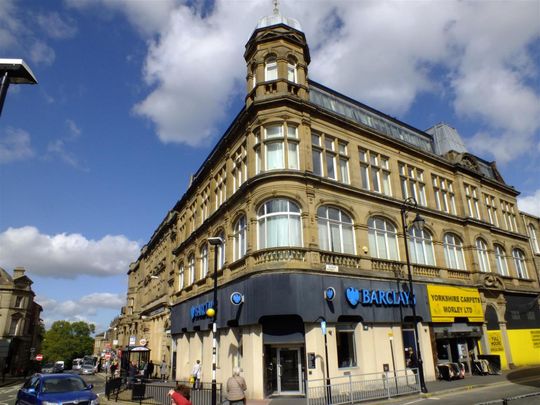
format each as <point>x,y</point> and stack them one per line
<point>520,377</point>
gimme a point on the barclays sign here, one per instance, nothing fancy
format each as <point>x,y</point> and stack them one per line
<point>199,311</point>
<point>379,297</point>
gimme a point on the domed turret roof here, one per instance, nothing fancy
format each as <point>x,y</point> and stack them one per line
<point>276,18</point>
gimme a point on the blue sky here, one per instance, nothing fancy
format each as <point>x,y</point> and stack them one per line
<point>133,94</point>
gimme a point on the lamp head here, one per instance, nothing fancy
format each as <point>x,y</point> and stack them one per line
<point>419,222</point>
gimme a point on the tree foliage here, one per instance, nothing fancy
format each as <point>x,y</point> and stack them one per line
<point>67,341</point>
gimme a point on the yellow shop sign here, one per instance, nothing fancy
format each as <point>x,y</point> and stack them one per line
<point>447,303</point>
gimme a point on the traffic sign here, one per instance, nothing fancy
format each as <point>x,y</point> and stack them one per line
<point>39,357</point>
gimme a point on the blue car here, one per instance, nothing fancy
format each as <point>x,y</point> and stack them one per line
<point>56,389</point>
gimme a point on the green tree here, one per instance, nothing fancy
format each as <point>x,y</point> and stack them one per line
<point>67,341</point>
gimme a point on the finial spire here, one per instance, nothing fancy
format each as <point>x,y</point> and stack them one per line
<point>276,7</point>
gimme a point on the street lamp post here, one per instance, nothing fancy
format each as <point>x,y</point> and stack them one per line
<point>216,242</point>
<point>408,205</point>
<point>328,391</point>
<point>13,71</point>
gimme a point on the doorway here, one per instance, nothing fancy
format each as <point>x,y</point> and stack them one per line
<point>283,369</point>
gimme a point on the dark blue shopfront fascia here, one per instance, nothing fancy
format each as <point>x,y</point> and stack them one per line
<point>273,294</point>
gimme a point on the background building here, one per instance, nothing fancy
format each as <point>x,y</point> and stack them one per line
<point>21,328</point>
<point>306,188</point>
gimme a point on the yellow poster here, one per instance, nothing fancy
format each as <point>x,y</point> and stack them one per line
<point>447,303</point>
<point>496,346</point>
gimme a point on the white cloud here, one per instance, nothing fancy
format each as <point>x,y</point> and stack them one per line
<point>66,255</point>
<point>41,53</point>
<point>473,55</point>
<point>15,144</point>
<point>56,26</point>
<point>85,309</point>
<point>57,147</point>
<point>530,203</point>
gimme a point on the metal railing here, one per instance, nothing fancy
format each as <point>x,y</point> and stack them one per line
<point>157,393</point>
<point>351,389</point>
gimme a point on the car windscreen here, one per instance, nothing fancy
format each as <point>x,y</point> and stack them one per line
<point>63,384</point>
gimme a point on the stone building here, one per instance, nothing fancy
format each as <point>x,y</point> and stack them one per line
<point>310,192</point>
<point>21,328</point>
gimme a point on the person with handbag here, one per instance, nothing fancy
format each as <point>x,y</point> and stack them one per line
<point>236,387</point>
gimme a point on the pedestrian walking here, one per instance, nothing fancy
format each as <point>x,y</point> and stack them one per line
<point>236,387</point>
<point>132,372</point>
<point>150,369</point>
<point>113,368</point>
<point>196,374</point>
<point>163,370</point>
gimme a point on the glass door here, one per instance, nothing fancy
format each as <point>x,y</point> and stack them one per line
<point>289,378</point>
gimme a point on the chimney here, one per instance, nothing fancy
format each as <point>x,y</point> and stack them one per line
<point>18,272</point>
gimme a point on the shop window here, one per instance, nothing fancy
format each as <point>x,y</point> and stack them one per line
<point>279,224</point>
<point>382,239</point>
<point>421,246</point>
<point>239,236</point>
<point>453,252</point>
<point>483,257</point>
<point>345,346</point>
<point>335,230</point>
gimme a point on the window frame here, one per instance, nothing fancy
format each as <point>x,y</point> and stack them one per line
<point>324,226</point>
<point>375,234</point>
<point>264,219</point>
<point>456,249</point>
<point>349,331</point>
<point>240,237</point>
<point>270,68</point>
<point>424,240</point>
<point>500,260</point>
<point>375,173</point>
<point>482,254</point>
<point>520,263</point>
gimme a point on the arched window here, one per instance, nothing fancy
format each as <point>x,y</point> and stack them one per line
<point>335,230</point>
<point>421,246</point>
<point>500,259</point>
<point>270,69</point>
<point>534,239</point>
<point>453,252</point>
<point>382,239</point>
<point>292,75</point>
<point>483,257</point>
<point>181,277</point>
<point>14,327</point>
<point>204,261</point>
<point>221,252</point>
<point>191,268</point>
<point>519,262</point>
<point>279,224</point>
<point>239,235</point>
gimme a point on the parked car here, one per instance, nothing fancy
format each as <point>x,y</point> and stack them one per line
<point>41,389</point>
<point>87,369</point>
<point>76,365</point>
<point>47,368</point>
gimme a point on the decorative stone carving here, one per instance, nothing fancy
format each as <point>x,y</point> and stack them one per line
<point>493,281</point>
